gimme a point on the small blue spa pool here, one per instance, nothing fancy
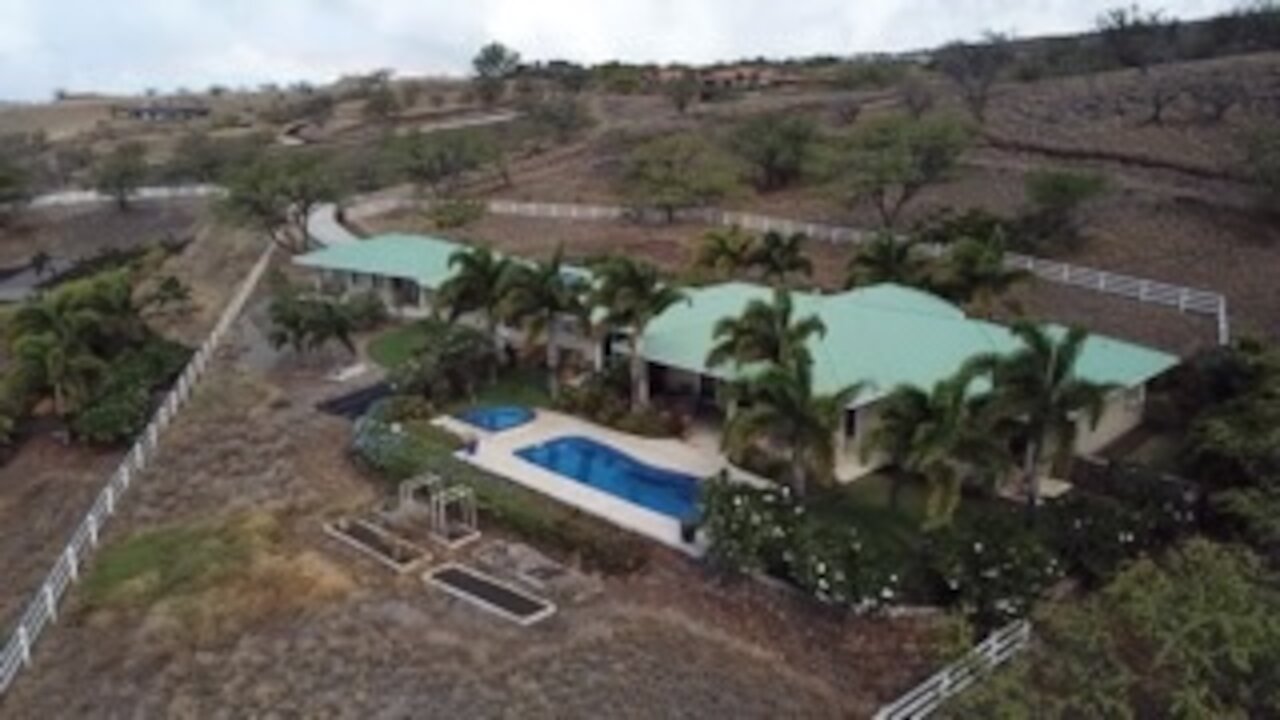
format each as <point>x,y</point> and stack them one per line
<point>606,469</point>
<point>496,418</point>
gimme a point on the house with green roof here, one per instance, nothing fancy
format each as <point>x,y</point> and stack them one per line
<point>879,337</point>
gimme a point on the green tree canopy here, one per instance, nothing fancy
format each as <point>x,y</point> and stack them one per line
<point>781,413</point>
<point>765,332</point>
<point>1038,385</point>
<point>889,161</point>
<point>778,256</point>
<point>632,293</point>
<point>277,193</point>
<point>493,65</point>
<point>1192,635</point>
<point>675,172</point>
<point>778,148</point>
<point>120,172</point>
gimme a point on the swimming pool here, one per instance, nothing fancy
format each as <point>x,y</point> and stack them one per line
<point>591,463</point>
<point>496,418</point>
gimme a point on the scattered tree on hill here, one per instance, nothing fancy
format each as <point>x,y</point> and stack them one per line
<point>632,294</point>
<point>381,103</point>
<point>684,90</point>
<point>675,172</point>
<point>1136,38</point>
<point>1056,197</point>
<point>1039,385</point>
<point>494,65</point>
<point>563,117</point>
<point>886,259</point>
<point>121,172</point>
<point>1214,94</point>
<point>277,193</point>
<point>974,68</point>
<point>777,147</point>
<point>438,161</point>
<point>765,332</point>
<point>14,189</point>
<point>778,255</point>
<point>1261,150</point>
<point>916,95</point>
<point>890,161</point>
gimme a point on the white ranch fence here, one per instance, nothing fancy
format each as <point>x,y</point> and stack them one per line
<point>43,608</point>
<point>924,699</point>
<point>1154,292</point>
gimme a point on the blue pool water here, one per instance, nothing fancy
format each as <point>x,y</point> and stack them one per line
<point>604,468</point>
<point>497,418</point>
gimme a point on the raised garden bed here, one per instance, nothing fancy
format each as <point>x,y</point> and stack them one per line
<point>378,543</point>
<point>490,594</point>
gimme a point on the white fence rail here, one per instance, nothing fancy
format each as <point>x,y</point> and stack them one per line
<point>1184,299</point>
<point>922,700</point>
<point>43,608</point>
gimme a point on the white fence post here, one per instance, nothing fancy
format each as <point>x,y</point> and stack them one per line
<point>24,643</point>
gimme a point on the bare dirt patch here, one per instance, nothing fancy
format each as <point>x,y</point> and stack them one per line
<point>79,232</point>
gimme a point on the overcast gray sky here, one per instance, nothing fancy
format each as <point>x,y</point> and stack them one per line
<point>129,45</point>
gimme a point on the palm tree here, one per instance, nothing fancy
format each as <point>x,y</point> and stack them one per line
<point>477,284</point>
<point>53,336</point>
<point>886,259</point>
<point>726,250</point>
<point>538,297</point>
<point>632,295</point>
<point>944,436</point>
<point>783,411</point>
<point>976,273</point>
<point>765,332</point>
<point>778,256</point>
<point>1038,387</point>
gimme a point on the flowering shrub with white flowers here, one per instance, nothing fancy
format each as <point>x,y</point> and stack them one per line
<point>993,571</point>
<point>767,530</point>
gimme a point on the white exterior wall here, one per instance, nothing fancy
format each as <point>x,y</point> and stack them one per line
<point>849,464</point>
<point>1123,412</point>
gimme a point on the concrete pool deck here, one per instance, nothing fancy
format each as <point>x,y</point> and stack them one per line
<point>496,453</point>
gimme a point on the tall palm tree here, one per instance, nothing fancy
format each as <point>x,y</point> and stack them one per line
<point>1038,386</point>
<point>726,250</point>
<point>632,294</point>
<point>538,297</point>
<point>765,332</point>
<point>783,412</point>
<point>886,259</point>
<point>54,337</point>
<point>943,436</point>
<point>477,284</point>
<point>778,256</point>
<point>975,272</point>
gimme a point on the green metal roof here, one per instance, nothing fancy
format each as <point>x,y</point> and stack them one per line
<point>422,259</point>
<point>884,336</point>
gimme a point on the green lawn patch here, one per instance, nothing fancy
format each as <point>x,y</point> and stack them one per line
<point>169,562</point>
<point>399,344</point>
<point>522,386</point>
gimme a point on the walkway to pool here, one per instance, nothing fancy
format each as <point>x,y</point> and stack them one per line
<point>495,452</point>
